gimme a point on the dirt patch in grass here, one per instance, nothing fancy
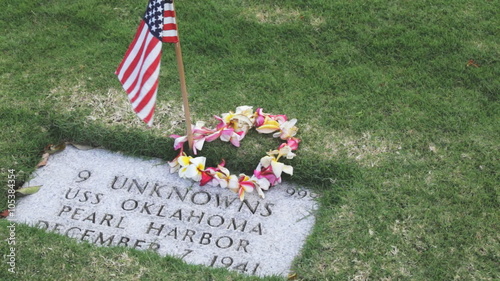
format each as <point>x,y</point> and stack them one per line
<point>124,267</point>
<point>112,108</point>
<point>367,149</point>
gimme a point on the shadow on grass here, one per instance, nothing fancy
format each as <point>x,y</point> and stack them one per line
<point>116,138</point>
<point>332,177</point>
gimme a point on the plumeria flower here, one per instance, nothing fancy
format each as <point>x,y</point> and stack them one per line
<point>241,121</point>
<point>207,175</point>
<point>268,126</point>
<point>284,150</point>
<point>263,179</point>
<point>267,173</point>
<point>277,167</point>
<point>241,185</point>
<point>198,142</point>
<point>200,135</point>
<point>245,117</point>
<point>245,110</point>
<point>280,118</point>
<point>200,129</point>
<point>287,130</point>
<point>179,141</point>
<point>293,143</point>
<point>227,117</point>
<point>222,123</point>
<point>198,145</point>
<point>229,135</point>
<point>215,176</point>
<point>260,116</point>
<point>221,177</point>
<point>191,168</point>
<point>174,164</point>
<point>260,184</point>
<point>213,136</point>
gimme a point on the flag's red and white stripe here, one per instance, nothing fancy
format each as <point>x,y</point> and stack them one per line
<point>169,33</point>
<point>139,72</point>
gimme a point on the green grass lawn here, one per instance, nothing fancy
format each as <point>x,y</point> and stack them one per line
<point>398,109</point>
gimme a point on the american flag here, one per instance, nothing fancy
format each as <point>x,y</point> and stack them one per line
<point>140,68</point>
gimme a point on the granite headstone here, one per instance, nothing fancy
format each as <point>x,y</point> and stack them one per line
<point>110,199</point>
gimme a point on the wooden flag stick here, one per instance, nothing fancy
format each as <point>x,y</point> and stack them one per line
<point>182,78</point>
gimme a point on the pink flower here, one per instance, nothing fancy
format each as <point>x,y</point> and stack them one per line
<point>222,124</point>
<point>229,135</point>
<point>276,167</point>
<point>241,185</point>
<point>200,135</point>
<point>293,143</point>
<point>280,118</point>
<point>179,141</point>
<point>260,117</point>
<point>267,173</point>
<point>215,176</point>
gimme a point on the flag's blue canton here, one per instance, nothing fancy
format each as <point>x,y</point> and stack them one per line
<point>154,17</point>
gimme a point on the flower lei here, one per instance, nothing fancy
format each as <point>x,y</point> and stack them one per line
<point>232,128</point>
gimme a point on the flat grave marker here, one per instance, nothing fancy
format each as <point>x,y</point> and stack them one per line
<point>109,199</point>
